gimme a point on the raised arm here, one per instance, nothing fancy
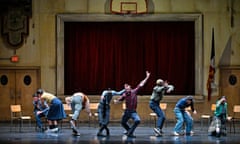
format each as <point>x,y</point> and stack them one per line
<point>142,83</point>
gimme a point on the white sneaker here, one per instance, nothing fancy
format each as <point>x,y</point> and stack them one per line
<point>55,130</point>
<point>157,131</point>
<point>175,133</point>
<point>47,130</point>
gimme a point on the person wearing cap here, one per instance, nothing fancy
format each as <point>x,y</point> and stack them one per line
<point>40,110</point>
<point>104,109</point>
<point>56,111</point>
<point>157,95</point>
<point>130,97</point>
<point>218,125</point>
<point>183,116</point>
<point>78,101</point>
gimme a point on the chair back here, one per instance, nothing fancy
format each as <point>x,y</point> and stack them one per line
<point>163,106</point>
<point>236,108</point>
<point>15,108</point>
<point>67,107</point>
<point>213,107</point>
<point>236,111</point>
<point>16,111</point>
<point>93,106</point>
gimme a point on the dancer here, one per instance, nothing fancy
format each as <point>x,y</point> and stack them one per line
<point>130,96</point>
<point>56,111</point>
<point>218,125</point>
<point>183,116</point>
<point>157,95</point>
<point>78,101</point>
<point>40,110</point>
<point>104,109</point>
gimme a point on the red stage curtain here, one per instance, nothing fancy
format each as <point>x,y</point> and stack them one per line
<point>101,55</point>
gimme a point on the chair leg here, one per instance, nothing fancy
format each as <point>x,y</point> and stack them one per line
<point>155,121</point>
<point>233,126</point>
<point>21,124</point>
<point>230,125</point>
<point>11,125</point>
<point>201,123</point>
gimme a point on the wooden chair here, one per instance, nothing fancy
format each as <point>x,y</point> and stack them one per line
<point>93,107</point>
<point>153,115</point>
<point>207,116</point>
<point>236,116</point>
<point>16,114</point>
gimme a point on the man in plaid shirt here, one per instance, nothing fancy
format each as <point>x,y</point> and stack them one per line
<point>130,97</point>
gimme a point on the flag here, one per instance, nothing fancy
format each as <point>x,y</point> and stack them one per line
<point>210,81</point>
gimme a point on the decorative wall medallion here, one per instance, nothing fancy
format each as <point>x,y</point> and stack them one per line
<point>15,26</point>
<point>232,79</point>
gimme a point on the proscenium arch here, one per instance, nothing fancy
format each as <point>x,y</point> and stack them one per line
<point>62,18</point>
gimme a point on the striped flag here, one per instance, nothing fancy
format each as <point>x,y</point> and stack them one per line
<point>210,81</point>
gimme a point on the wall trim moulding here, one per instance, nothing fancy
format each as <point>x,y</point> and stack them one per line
<point>196,17</point>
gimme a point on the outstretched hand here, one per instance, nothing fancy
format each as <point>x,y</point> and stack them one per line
<point>115,101</point>
<point>147,73</point>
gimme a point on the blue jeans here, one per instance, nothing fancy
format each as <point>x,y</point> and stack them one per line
<point>182,116</point>
<point>160,114</point>
<point>103,114</point>
<point>76,106</point>
<point>38,119</point>
<point>126,116</point>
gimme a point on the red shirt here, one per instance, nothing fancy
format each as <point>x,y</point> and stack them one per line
<point>130,98</point>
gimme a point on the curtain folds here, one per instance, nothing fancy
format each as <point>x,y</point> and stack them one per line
<point>100,55</point>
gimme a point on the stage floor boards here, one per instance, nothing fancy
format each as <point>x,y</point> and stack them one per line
<point>144,134</point>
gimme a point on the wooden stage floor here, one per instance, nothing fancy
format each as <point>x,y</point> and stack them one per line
<point>144,134</point>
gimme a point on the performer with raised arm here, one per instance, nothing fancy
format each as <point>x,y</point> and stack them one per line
<point>157,95</point>
<point>130,97</point>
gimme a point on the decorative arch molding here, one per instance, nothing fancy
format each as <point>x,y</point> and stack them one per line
<point>196,17</point>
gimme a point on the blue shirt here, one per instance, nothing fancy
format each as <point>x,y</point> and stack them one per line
<point>108,94</point>
<point>39,106</point>
<point>182,104</point>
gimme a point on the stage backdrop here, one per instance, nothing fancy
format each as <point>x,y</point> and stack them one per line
<point>101,55</point>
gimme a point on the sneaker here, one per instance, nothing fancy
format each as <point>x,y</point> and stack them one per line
<point>176,133</point>
<point>55,130</point>
<point>125,132</point>
<point>158,135</point>
<point>73,127</point>
<point>190,133</point>
<point>47,130</point>
<point>157,131</point>
<point>131,136</point>
<point>76,134</point>
<point>74,130</point>
<point>100,134</point>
